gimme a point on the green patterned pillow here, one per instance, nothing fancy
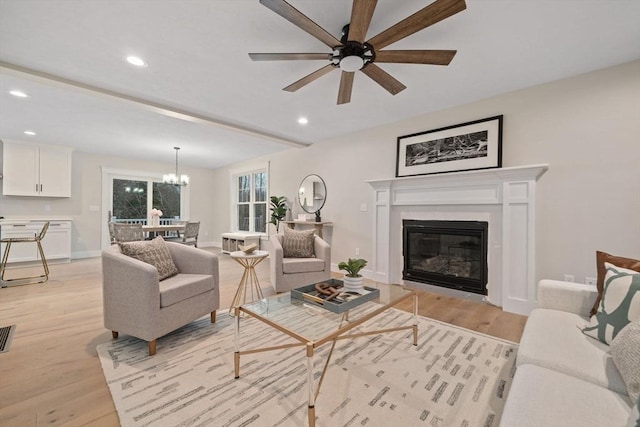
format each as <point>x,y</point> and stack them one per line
<point>619,306</point>
<point>154,252</point>
<point>297,244</point>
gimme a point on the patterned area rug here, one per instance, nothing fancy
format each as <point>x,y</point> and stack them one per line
<point>454,377</point>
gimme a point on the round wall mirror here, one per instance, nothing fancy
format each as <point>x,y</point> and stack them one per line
<point>312,194</point>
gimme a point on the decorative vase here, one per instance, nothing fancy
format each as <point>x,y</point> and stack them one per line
<point>155,220</point>
<point>353,284</point>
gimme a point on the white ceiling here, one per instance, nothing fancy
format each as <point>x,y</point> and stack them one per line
<point>198,64</point>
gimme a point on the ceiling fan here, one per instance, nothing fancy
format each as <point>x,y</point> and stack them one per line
<point>352,53</point>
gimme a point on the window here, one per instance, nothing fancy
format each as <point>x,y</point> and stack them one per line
<point>131,200</point>
<point>130,196</point>
<point>250,189</point>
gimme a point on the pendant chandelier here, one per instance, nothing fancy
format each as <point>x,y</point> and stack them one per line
<point>175,178</point>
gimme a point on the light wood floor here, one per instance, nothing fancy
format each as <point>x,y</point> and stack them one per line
<point>52,376</point>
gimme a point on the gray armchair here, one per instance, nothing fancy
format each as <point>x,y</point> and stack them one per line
<point>289,273</point>
<point>136,303</point>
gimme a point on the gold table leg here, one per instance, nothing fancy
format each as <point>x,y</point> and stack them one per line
<point>248,282</point>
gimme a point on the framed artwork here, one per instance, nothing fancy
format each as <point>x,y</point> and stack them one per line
<point>467,146</point>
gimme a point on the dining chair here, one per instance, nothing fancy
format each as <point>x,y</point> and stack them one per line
<point>37,239</point>
<point>190,234</point>
<point>127,232</point>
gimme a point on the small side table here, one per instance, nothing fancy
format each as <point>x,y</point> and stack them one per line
<point>249,278</point>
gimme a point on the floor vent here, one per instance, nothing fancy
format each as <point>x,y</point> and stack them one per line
<point>6,334</point>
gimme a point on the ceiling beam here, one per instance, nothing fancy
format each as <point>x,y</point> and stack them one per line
<point>53,80</point>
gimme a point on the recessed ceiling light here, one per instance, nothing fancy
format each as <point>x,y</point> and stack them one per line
<point>138,62</point>
<point>303,120</point>
<point>29,132</point>
<point>19,94</point>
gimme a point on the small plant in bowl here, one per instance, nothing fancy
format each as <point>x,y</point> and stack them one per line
<point>353,281</point>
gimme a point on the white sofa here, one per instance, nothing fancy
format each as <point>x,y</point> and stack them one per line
<point>563,377</point>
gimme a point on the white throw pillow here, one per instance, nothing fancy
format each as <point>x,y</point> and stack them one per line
<point>625,351</point>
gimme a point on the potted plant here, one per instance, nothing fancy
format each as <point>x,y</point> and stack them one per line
<point>352,279</point>
<point>278,210</point>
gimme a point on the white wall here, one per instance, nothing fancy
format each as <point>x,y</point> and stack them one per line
<point>86,191</point>
<point>587,128</point>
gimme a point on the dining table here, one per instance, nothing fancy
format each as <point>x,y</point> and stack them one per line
<point>161,230</point>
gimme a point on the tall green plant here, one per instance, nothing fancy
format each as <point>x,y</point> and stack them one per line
<point>278,207</point>
<point>353,266</point>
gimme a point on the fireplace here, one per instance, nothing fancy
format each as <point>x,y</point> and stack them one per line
<point>505,198</point>
<point>452,254</point>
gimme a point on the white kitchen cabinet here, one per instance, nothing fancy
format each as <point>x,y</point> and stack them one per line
<point>36,170</point>
<point>56,243</point>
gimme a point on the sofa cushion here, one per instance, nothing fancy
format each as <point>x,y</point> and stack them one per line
<point>302,265</point>
<point>625,350</point>
<point>541,397</point>
<point>297,244</point>
<point>154,252</point>
<point>620,304</point>
<point>552,339</point>
<point>179,288</point>
<point>601,258</point>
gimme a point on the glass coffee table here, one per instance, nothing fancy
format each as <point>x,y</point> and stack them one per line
<point>311,326</point>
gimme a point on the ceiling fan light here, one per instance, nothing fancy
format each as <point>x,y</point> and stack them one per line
<point>351,63</point>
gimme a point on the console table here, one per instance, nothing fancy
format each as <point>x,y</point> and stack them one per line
<point>317,225</point>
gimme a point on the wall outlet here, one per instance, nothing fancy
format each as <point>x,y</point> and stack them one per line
<point>590,281</point>
<point>47,208</point>
<point>357,251</point>
<point>363,207</point>
<point>569,278</point>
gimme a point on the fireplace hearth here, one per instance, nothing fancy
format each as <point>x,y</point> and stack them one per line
<point>451,254</point>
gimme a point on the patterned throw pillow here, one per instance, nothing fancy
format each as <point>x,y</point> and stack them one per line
<point>625,351</point>
<point>601,258</point>
<point>154,252</point>
<point>297,244</point>
<point>619,306</point>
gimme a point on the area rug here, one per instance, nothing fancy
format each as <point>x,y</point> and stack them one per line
<point>454,377</point>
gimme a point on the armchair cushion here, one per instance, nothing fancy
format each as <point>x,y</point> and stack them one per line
<point>298,244</point>
<point>183,286</point>
<point>302,265</point>
<point>620,304</point>
<point>154,252</point>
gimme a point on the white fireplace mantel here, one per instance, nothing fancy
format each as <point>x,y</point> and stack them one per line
<point>504,197</point>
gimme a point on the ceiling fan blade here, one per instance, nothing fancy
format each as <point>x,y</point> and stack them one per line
<point>383,78</point>
<point>309,78</point>
<point>297,18</point>
<point>434,57</point>
<point>432,14</point>
<point>361,14</point>
<point>287,56</point>
<point>346,84</point>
